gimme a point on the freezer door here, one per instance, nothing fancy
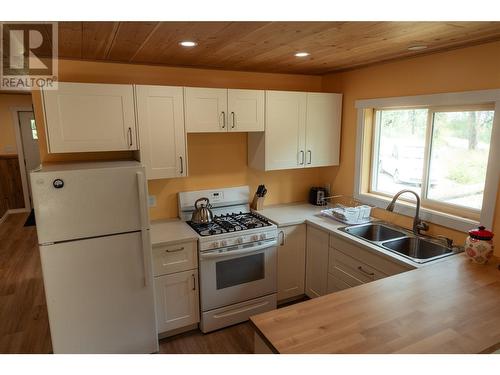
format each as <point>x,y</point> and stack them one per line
<point>97,296</point>
<point>72,204</point>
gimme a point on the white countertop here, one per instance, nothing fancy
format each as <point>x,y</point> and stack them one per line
<point>165,232</point>
<point>290,214</point>
<point>300,213</point>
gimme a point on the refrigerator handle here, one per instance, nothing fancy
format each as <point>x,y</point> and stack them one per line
<point>141,183</point>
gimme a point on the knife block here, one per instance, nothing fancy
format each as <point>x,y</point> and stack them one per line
<point>257,203</point>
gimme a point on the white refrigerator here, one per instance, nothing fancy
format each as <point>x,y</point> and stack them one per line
<point>93,231</point>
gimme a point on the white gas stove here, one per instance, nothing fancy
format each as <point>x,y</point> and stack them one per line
<point>237,253</point>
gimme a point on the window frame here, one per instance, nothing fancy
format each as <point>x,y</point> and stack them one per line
<point>437,212</point>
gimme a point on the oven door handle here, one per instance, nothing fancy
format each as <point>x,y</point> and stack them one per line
<point>253,249</point>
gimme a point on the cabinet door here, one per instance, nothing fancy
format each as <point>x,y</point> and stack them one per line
<point>90,117</point>
<point>323,129</point>
<point>316,262</point>
<point>291,261</point>
<point>285,129</point>
<point>246,110</point>
<point>206,110</point>
<point>160,114</point>
<point>177,300</point>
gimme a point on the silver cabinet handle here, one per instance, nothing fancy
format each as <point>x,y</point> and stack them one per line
<point>175,250</point>
<point>301,157</point>
<point>234,120</point>
<point>194,281</point>
<point>310,156</point>
<point>129,134</point>
<point>282,242</point>
<point>223,120</point>
<point>182,165</point>
<point>366,272</point>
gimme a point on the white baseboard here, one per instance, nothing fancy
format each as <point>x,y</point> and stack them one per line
<point>12,211</point>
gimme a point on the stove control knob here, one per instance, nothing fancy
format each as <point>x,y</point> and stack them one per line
<point>239,240</point>
<point>223,243</point>
<point>263,236</point>
<point>215,245</point>
<point>255,237</point>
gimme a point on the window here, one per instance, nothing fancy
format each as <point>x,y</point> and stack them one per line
<point>458,145</point>
<point>444,151</point>
<point>34,133</point>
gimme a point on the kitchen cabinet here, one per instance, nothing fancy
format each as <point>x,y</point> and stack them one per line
<point>323,120</point>
<point>160,114</point>
<point>246,110</point>
<point>302,131</point>
<point>175,270</point>
<point>90,117</point>
<point>350,265</point>
<point>316,262</point>
<point>291,261</point>
<point>177,300</point>
<point>222,110</point>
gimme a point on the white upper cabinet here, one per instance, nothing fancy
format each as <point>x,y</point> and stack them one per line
<point>221,110</point>
<point>302,130</point>
<point>323,129</point>
<point>246,110</point>
<point>282,144</point>
<point>160,114</point>
<point>90,117</point>
<point>206,110</point>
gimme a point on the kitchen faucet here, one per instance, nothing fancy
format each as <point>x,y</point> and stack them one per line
<point>418,224</point>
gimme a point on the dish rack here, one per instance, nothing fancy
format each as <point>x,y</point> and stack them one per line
<point>347,210</point>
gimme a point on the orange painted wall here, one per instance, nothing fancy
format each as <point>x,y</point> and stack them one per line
<point>215,160</point>
<point>472,68</point>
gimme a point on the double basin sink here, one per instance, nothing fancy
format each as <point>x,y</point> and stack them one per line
<point>419,249</point>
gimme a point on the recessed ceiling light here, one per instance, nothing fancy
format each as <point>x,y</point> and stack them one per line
<point>418,47</point>
<point>188,43</point>
<point>302,54</point>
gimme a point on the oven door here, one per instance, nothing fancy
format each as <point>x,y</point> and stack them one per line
<point>237,274</point>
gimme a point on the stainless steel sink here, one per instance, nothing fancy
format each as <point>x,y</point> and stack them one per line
<point>417,248</point>
<point>420,249</point>
<point>374,232</point>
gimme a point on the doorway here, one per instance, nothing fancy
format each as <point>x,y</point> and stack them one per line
<point>30,148</point>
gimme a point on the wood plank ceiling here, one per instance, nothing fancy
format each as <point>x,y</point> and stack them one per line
<point>265,46</point>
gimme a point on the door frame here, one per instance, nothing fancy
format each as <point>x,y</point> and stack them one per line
<point>20,152</point>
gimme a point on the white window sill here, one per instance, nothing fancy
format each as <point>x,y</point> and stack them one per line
<point>408,209</point>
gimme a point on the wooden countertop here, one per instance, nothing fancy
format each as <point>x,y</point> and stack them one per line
<point>452,306</point>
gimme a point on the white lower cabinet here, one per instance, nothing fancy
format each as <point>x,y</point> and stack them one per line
<point>316,262</point>
<point>177,300</point>
<point>291,261</point>
<point>175,269</point>
<point>334,264</point>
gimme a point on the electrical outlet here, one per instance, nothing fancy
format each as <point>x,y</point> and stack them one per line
<point>152,200</point>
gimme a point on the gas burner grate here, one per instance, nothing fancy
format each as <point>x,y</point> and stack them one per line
<point>230,223</point>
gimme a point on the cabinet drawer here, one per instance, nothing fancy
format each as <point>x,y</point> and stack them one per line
<point>345,277</point>
<point>174,258</point>
<point>353,267</point>
<point>378,262</point>
<point>335,284</point>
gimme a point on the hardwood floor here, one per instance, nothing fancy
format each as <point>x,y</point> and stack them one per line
<point>24,326</point>
<point>237,339</point>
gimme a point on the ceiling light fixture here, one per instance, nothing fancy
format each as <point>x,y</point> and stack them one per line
<point>188,43</point>
<point>302,54</point>
<point>418,47</point>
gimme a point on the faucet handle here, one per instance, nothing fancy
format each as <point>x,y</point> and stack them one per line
<point>422,226</point>
<point>449,241</point>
